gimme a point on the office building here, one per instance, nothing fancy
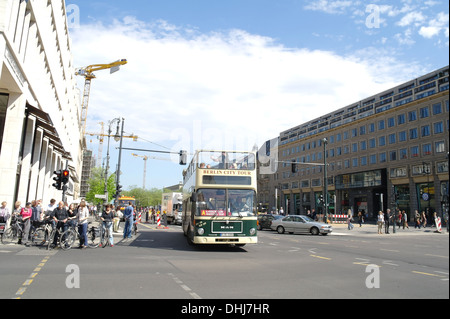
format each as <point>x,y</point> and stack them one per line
<point>388,150</point>
<point>39,102</point>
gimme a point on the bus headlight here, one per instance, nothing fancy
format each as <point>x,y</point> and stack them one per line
<point>252,231</point>
<point>200,231</point>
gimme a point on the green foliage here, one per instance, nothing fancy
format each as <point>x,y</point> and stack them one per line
<point>97,185</point>
<point>146,197</point>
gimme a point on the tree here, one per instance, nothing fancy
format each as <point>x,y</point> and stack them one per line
<point>146,197</point>
<point>97,185</point>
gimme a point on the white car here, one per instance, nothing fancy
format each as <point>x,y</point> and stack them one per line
<point>300,224</point>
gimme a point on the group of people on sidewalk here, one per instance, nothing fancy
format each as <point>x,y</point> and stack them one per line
<point>401,219</point>
<point>62,216</point>
<point>388,219</point>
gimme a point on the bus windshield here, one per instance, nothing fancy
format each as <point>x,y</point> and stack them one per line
<point>226,202</point>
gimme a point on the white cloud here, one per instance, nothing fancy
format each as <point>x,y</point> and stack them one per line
<point>331,7</point>
<point>414,17</point>
<point>435,26</point>
<point>232,89</point>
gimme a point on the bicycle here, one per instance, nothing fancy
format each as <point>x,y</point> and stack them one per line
<point>13,232</point>
<point>71,235</point>
<point>106,235</point>
<point>42,233</point>
<point>61,241</point>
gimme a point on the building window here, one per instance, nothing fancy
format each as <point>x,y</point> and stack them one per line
<point>393,156</point>
<point>382,141</point>
<point>372,143</point>
<point>426,148</point>
<point>438,128</point>
<point>383,158</point>
<point>424,112</point>
<point>402,136</point>
<point>392,138</point>
<point>362,130</point>
<point>354,162</point>
<point>391,122</point>
<point>437,108</point>
<point>425,130</point>
<point>439,147</point>
<point>373,159</point>
<point>381,125</point>
<point>413,134</point>
<point>364,161</point>
<point>363,145</point>
<point>401,119</point>
<point>403,153</point>
<point>414,151</point>
<point>371,127</point>
<point>412,116</point>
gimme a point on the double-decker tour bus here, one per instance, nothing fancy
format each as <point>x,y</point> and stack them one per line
<point>219,198</point>
<point>122,202</point>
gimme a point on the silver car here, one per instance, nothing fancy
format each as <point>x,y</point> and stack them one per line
<point>300,224</point>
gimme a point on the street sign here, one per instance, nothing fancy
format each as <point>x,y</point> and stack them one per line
<point>101,196</point>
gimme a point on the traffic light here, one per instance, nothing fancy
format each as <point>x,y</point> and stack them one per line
<point>57,179</point>
<point>118,191</point>
<point>294,166</point>
<point>183,157</point>
<point>65,176</point>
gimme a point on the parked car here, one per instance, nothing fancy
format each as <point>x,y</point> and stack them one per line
<point>300,224</point>
<point>265,220</point>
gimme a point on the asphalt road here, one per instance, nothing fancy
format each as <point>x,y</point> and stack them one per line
<point>159,264</point>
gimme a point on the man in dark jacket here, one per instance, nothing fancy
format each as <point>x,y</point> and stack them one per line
<point>60,216</point>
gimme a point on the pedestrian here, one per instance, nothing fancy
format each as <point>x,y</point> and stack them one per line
<point>72,214</point>
<point>423,219</point>
<point>51,206</point>
<point>128,215</point>
<point>400,218</point>
<point>405,220</point>
<point>416,219</point>
<point>107,218</point>
<point>349,219</point>
<point>82,216</point>
<point>4,214</point>
<point>387,220</point>
<point>360,218</point>
<point>36,216</point>
<point>26,214</point>
<point>116,221</point>
<point>380,222</point>
<point>60,217</point>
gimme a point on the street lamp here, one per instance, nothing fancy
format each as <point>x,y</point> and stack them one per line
<point>105,191</point>
<point>325,179</point>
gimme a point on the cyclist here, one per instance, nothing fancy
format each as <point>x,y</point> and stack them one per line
<point>107,218</point>
<point>60,216</point>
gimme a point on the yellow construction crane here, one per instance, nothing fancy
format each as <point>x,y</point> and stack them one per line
<point>100,144</point>
<point>88,73</point>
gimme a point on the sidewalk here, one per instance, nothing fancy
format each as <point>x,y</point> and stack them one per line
<point>371,229</point>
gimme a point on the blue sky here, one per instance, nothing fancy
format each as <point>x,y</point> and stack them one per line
<point>232,74</point>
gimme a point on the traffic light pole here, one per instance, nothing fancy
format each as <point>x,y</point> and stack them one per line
<point>118,165</point>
